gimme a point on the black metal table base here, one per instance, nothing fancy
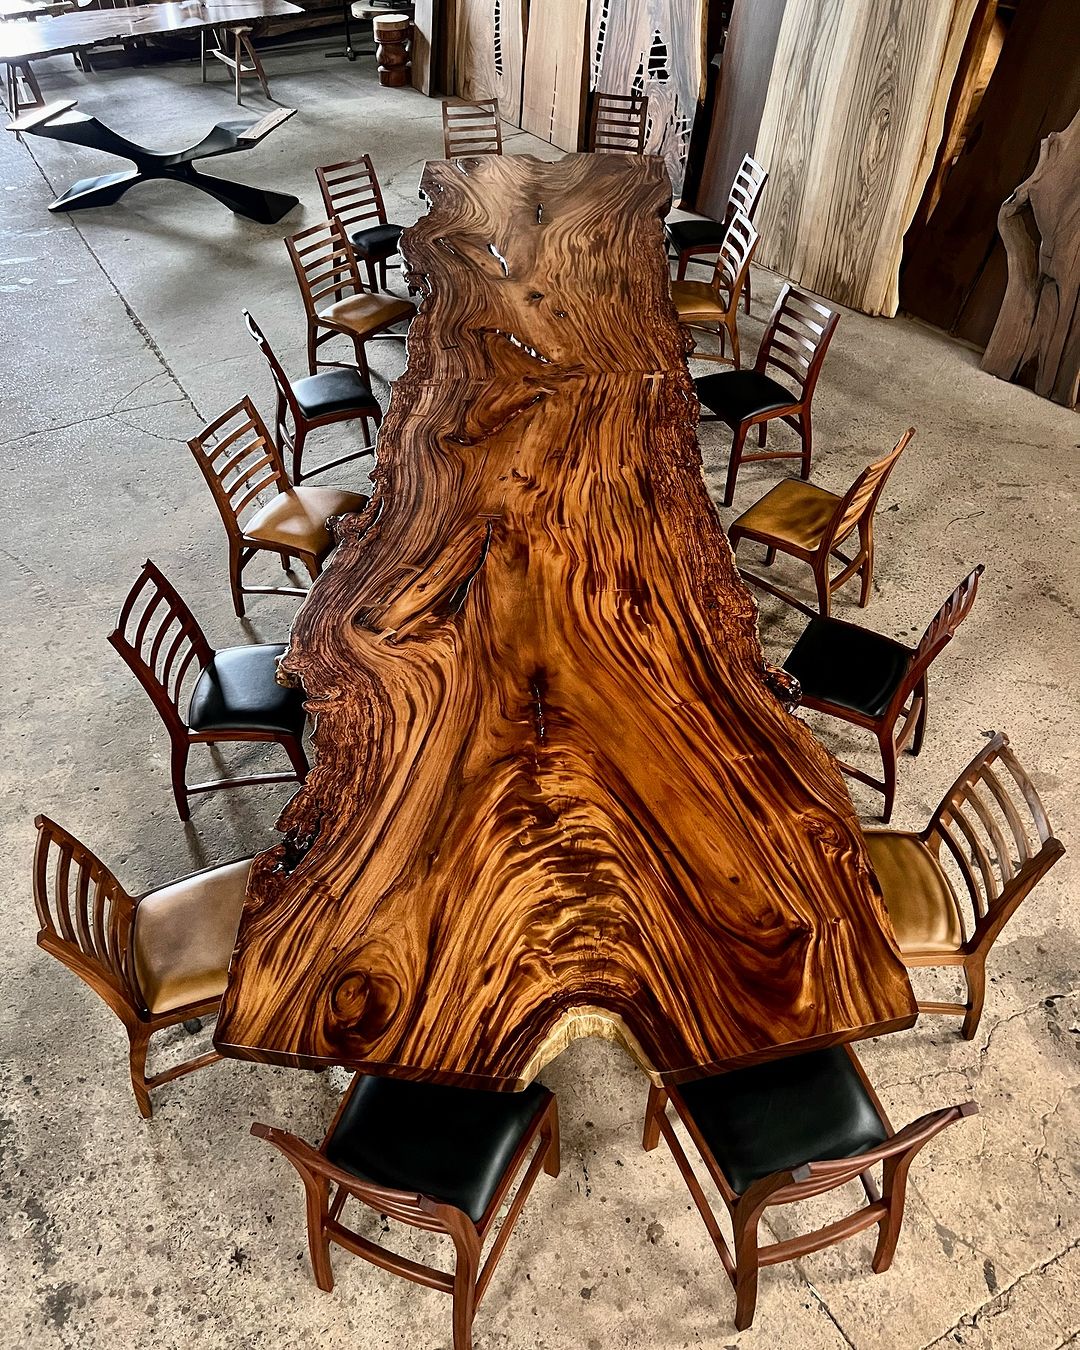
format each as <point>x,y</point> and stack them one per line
<point>227,138</point>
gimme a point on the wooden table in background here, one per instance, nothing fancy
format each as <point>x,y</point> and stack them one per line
<point>555,793</point>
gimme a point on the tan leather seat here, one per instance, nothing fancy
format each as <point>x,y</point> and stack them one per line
<point>697,300</point>
<point>793,512</point>
<point>297,519</point>
<point>184,936</point>
<point>366,313</point>
<point>921,903</point>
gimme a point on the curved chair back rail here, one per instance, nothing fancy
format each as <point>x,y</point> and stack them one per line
<point>469,1280</point>
<point>991,832</point>
<point>713,306</point>
<point>796,340</point>
<point>471,128</point>
<point>790,519</point>
<point>619,124</point>
<point>789,1185</point>
<point>90,923</point>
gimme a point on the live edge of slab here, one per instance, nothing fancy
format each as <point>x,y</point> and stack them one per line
<point>554,793</point>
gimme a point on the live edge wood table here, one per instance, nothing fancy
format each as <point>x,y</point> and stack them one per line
<point>556,793</point>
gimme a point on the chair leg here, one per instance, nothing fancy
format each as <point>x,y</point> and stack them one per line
<point>824,591</point>
<point>746,1271</point>
<point>893,1188</point>
<point>236,580</point>
<point>975,974</point>
<point>465,1275</point>
<point>888,764</point>
<point>361,360</point>
<point>178,767</point>
<point>746,293</point>
<point>770,557</point>
<point>737,443</point>
<point>866,571</point>
<point>312,565</point>
<point>299,440</point>
<point>654,1109</point>
<point>680,274</point>
<point>297,757</point>
<point>139,1038</point>
<point>549,1134</point>
<point>370,269</point>
<point>316,1191</point>
<point>762,434</point>
<point>312,348</point>
<point>733,333</point>
<point>923,692</point>
<point>806,436</point>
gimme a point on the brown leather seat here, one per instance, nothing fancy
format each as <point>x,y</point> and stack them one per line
<point>365,313</point>
<point>921,903</point>
<point>697,300</point>
<point>184,936</point>
<point>794,512</point>
<point>297,518</point>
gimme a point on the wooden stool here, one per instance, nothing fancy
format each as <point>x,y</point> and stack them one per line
<point>393,35</point>
<point>234,60</point>
<point>16,102</point>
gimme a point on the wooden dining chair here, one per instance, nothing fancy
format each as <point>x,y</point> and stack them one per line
<point>713,306</point>
<point>619,124</point>
<point>991,832</point>
<point>794,345</point>
<point>335,300</point>
<point>805,521</point>
<point>261,510</point>
<point>471,128</point>
<point>206,697</point>
<point>156,959</point>
<point>787,1131</point>
<point>693,239</point>
<point>874,682</point>
<point>438,1158</point>
<point>352,196</point>
<point>305,405</point>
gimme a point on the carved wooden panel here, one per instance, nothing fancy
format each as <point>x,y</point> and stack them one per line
<point>851,123</point>
<point>554,793</point>
<point>553,94</point>
<point>656,48</point>
<point>489,41</point>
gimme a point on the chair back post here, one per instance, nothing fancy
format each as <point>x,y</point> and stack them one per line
<point>471,128</point>
<point>861,499</point>
<point>733,260</point>
<point>286,397</point>
<point>161,642</point>
<point>351,193</point>
<point>943,626</point>
<point>619,124</point>
<point>239,460</point>
<point>86,918</point>
<point>797,338</point>
<point>980,822</point>
<point>325,265</point>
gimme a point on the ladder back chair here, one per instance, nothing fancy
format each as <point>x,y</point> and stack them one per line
<point>315,401</point>
<point>693,239</point>
<point>992,834</point>
<point>794,346</point>
<point>619,124</point>
<point>441,1159</point>
<point>260,509</point>
<point>335,300</point>
<point>787,1131</point>
<point>352,196</point>
<point>206,697</point>
<point>155,959</point>
<point>471,128</point>
<point>810,524</point>
<point>713,306</point>
<point>876,683</point>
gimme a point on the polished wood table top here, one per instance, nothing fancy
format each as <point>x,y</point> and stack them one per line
<point>556,793</point>
<point>80,29</point>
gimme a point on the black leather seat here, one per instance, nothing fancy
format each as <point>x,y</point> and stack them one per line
<point>452,1144</point>
<point>377,241</point>
<point>852,667</point>
<point>683,234</point>
<point>238,691</point>
<point>334,391</point>
<point>735,395</point>
<point>776,1116</point>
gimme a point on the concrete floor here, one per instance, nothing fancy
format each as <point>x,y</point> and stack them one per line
<point>121,333</point>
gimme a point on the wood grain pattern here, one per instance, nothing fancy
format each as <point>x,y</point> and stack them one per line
<point>852,119</point>
<point>655,48</point>
<point>553,92</point>
<point>554,792</point>
<point>1038,330</point>
<point>489,44</point>
<point>425,39</point>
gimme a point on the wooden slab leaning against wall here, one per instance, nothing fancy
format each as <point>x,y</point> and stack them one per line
<point>489,48</point>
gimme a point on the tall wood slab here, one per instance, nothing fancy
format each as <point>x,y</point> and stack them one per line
<point>554,794</point>
<point>556,69</point>
<point>489,48</point>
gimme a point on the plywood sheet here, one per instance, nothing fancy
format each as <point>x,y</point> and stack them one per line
<point>553,94</point>
<point>489,42</point>
<point>656,48</point>
<point>852,120</point>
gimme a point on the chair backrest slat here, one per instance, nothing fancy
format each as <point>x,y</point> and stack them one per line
<point>796,339</point>
<point>747,187</point>
<point>277,371</point>
<point>160,640</point>
<point>619,124</point>
<point>471,128</point>
<point>252,464</point>
<point>860,501</point>
<point>324,264</point>
<point>351,193</point>
<point>733,260</point>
